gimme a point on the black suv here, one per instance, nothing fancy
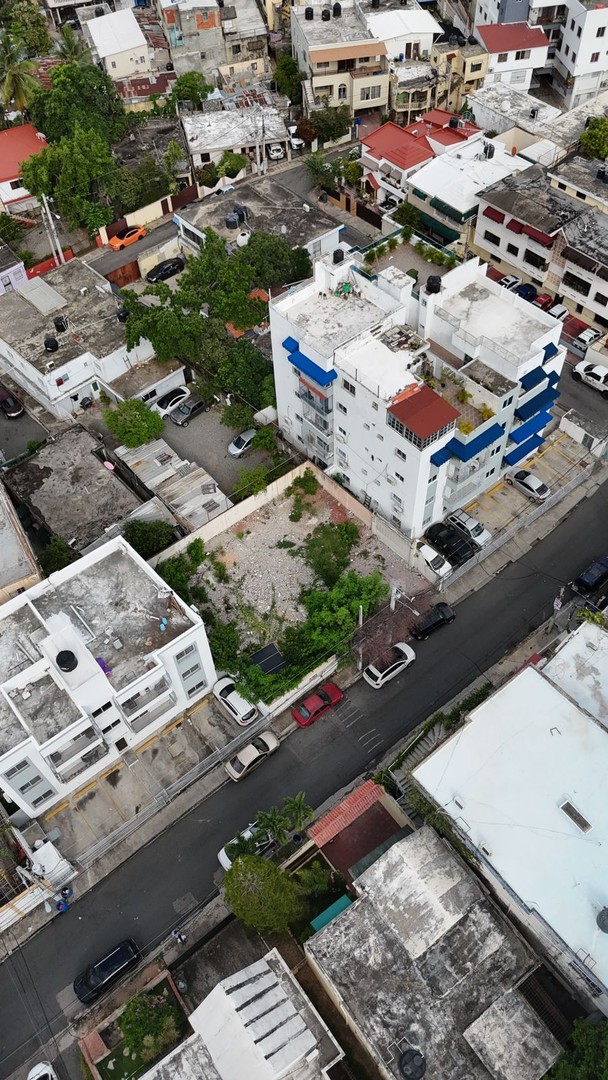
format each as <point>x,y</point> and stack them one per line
<point>439,615</point>
<point>447,540</point>
<point>100,976</point>
<point>168,268</point>
<point>593,577</point>
<point>190,406</point>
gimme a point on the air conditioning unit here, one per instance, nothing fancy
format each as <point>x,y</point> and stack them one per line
<point>391,480</point>
<point>340,438</point>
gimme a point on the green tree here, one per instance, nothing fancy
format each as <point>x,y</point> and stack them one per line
<point>273,261</point>
<point>318,169</point>
<point>79,172</point>
<point>353,172</point>
<point>289,79</point>
<point>593,140</point>
<point>230,164</point>
<point>237,416</point>
<point>241,845</point>
<point>331,124</point>
<point>327,549</point>
<point>305,130</point>
<point>29,26</point>
<point>275,822</point>
<point>70,48</point>
<point>18,86</point>
<point>148,537</point>
<point>263,896</point>
<point>191,87</point>
<point>225,643</point>
<point>265,439</point>
<point>11,230</point>
<point>587,1055</point>
<point>332,618</point>
<point>407,215</point>
<point>173,328</point>
<point>314,878</point>
<point>56,555</point>
<point>250,482</point>
<point>133,423</point>
<point>298,811</point>
<point>79,95</point>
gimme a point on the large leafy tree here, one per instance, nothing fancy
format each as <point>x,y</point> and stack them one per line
<point>289,79</point>
<point>594,139</point>
<point>330,124</point>
<point>133,423</point>
<point>79,94</point>
<point>17,83</point>
<point>30,27</point>
<point>80,174</point>
<point>192,87</point>
<point>70,48</point>
<point>263,896</point>
<point>274,262</point>
<point>587,1057</point>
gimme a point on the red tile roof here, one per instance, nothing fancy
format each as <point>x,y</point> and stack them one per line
<point>506,37</point>
<point>343,815</point>
<point>422,411</point>
<point>408,146</point>
<point>16,145</point>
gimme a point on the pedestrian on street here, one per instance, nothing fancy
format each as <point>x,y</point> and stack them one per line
<point>178,936</point>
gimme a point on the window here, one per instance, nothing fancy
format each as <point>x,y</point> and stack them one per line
<point>366,426</point>
<point>562,187</point>
<point>342,408</point>
<point>512,249</point>
<point>581,194</point>
<point>398,476</point>
<point>601,30</point>
<point>16,184</point>
<point>572,24</point>
<point>375,406</point>
<point>399,453</point>
<point>29,784</point>
<point>396,521</point>
<point>236,50</point>
<point>349,387</point>
<point>490,472</point>
<point>112,63</point>
<point>112,724</point>
<point>576,283</point>
<point>578,31</point>
<point>203,56</point>
<point>41,798</point>
<point>381,437</point>
<point>476,67</point>
<point>102,708</point>
<point>342,92</point>
<point>566,50</point>
<point>370,93</point>
<point>495,450</point>
<point>594,59</point>
<point>509,401</point>
<point>342,457</point>
<point>142,59</point>
<point>322,65</point>
<point>398,501</point>
<point>492,238</point>
<point>574,58</point>
<point>19,767</point>
<point>601,299</point>
<point>522,54</point>
<point>502,58</point>
<point>298,418</point>
<point>342,431</point>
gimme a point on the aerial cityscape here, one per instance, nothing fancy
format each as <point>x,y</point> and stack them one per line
<point>304,544</point>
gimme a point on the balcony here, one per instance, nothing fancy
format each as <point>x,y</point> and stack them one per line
<point>315,420</point>
<point>144,719</point>
<point>91,757</point>
<point>381,68</point>
<point>138,701</point>
<point>61,759</point>
<point>320,404</point>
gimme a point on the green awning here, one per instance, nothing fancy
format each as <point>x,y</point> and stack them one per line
<point>330,913</point>
<point>438,227</point>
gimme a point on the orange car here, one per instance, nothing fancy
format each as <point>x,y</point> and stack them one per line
<point>125,237</point>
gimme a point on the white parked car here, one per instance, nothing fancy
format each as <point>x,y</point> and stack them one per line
<point>469,526</point>
<point>529,484</point>
<point>242,443</point>
<point>559,312</point>
<point>595,375</point>
<point>170,400</point>
<point>433,559</point>
<point>403,656</point>
<point>234,703</point>
<point>510,282</point>
<point>262,844</point>
<point>584,340</point>
<point>43,1071</point>
<point>252,755</point>
<point>294,141</point>
<point>275,151</point>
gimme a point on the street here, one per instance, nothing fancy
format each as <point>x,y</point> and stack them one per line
<point>107,260</point>
<point>153,890</point>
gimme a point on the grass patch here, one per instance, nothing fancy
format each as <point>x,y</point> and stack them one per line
<point>152,1024</point>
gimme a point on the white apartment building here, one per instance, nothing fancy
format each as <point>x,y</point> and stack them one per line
<point>93,660</point>
<point>118,43</point>
<point>515,50</point>
<point>408,31</point>
<point>523,783</point>
<point>370,378</point>
<point>62,339</point>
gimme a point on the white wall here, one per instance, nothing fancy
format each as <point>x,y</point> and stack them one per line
<point>134,61</point>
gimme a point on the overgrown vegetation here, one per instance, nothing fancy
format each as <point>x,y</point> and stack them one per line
<point>56,555</point>
<point>148,537</point>
<point>586,1057</point>
<point>133,422</point>
<point>593,141</point>
<point>327,550</point>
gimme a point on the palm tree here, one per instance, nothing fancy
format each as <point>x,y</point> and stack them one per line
<point>274,822</point>
<point>241,845</point>
<point>17,84</point>
<point>70,48</point>
<point>297,810</point>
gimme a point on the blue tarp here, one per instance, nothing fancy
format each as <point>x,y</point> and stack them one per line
<point>523,451</point>
<point>290,344</point>
<point>330,913</point>
<point>541,401</point>
<point>533,378</point>
<point>308,367</point>
<point>531,427</point>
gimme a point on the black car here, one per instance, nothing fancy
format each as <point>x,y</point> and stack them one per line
<point>10,405</point>
<point>191,406</point>
<point>593,577</point>
<point>100,976</point>
<point>451,543</point>
<point>166,269</point>
<point>439,615</point>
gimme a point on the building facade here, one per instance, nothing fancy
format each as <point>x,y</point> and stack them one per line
<point>118,44</point>
<point>515,52</point>
<point>92,661</point>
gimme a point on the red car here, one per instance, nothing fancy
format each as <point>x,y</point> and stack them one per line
<point>309,710</point>
<point>543,301</point>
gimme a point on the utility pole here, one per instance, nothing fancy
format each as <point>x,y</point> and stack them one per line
<point>51,231</point>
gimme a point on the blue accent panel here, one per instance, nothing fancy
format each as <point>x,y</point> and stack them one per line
<point>466,451</point>
<point>536,423</point>
<point>290,344</point>
<point>441,456</point>
<point>520,452</point>
<point>308,367</point>
<point>550,350</point>
<point>554,377</point>
<point>541,401</point>
<point>533,378</point>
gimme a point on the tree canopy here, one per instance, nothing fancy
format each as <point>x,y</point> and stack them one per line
<point>30,27</point>
<point>330,124</point>
<point>263,896</point>
<point>192,87</point>
<point>587,1057</point>
<point>148,537</point>
<point>289,79</point>
<point>17,83</point>
<point>594,139</point>
<point>79,172</point>
<point>133,423</point>
<point>79,95</point>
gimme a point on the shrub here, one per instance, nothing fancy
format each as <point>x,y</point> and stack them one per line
<point>148,537</point>
<point>250,482</point>
<point>327,550</point>
<point>225,645</point>
<point>56,555</point>
<point>231,164</point>
<point>32,445</point>
<point>392,243</point>
<point>465,426</point>
<point>463,396</point>
<point>151,1022</point>
<point>413,273</point>
<point>237,416</point>
<point>307,483</point>
<point>265,439</point>
<point>133,423</point>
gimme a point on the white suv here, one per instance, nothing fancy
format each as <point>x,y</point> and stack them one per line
<point>234,703</point>
<point>469,526</point>
<point>275,151</point>
<point>595,375</point>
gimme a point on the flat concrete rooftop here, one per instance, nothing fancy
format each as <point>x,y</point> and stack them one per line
<point>93,325</point>
<point>207,131</point>
<point>483,312</point>
<point>350,27</point>
<point>17,561</point>
<point>327,321</point>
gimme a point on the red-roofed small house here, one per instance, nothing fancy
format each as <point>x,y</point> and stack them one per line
<point>516,51</point>
<point>17,144</point>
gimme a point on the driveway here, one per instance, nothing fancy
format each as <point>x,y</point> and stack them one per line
<point>111,260</point>
<point>15,435</point>
<point>206,442</point>
<point>585,399</point>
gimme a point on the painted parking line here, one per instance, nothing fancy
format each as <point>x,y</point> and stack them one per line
<point>348,714</point>
<point>370,739</point>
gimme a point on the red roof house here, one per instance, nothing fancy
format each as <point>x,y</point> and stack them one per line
<point>17,144</point>
<point>406,149</point>
<point>422,411</point>
<point>510,37</point>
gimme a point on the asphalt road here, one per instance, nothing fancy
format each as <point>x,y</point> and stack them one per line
<point>585,399</point>
<point>149,893</point>
<point>111,260</point>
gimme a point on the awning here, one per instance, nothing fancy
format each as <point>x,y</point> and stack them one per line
<point>523,451</point>
<point>371,179</point>
<point>531,427</point>
<point>441,456</point>
<point>540,237</point>
<point>549,351</point>
<point>290,344</point>
<point>494,215</point>
<point>466,451</point>
<point>308,367</point>
<point>533,378</point>
<point>541,401</point>
<point>515,226</point>
<point>554,377</point>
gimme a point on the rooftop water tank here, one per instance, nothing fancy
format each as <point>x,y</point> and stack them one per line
<point>231,221</point>
<point>50,343</point>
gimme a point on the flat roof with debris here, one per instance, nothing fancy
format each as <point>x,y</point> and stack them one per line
<point>68,489</point>
<point>151,137</point>
<point>422,959</point>
<point>227,130</point>
<point>588,234</point>
<point>530,198</point>
<point>349,27</point>
<point>75,291</point>
<point>584,175</point>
